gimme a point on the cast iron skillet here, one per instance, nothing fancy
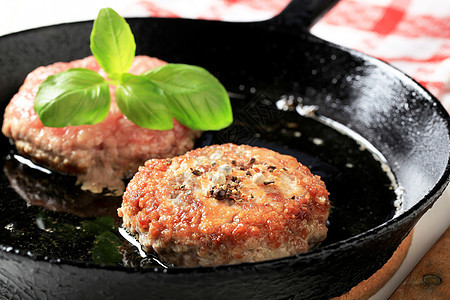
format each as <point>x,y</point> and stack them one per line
<point>275,57</point>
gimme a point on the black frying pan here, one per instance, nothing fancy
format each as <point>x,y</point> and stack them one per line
<point>258,63</point>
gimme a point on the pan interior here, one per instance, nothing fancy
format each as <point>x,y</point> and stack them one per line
<point>47,215</point>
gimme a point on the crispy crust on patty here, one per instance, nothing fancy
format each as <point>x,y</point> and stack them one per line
<point>265,206</point>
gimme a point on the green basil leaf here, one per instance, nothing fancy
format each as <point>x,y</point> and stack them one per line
<point>195,97</point>
<point>74,97</point>
<point>143,102</point>
<point>187,93</point>
<point>112,42</point>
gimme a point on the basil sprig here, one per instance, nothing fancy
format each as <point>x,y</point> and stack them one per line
<point>190,94</point>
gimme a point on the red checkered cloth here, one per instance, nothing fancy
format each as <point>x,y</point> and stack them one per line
<point>412,35</point>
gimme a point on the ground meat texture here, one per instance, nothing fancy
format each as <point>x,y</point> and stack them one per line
<point>225,204</point>
<point>99,155</point>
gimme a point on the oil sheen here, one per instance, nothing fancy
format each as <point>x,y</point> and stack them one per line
<point>45,214</point>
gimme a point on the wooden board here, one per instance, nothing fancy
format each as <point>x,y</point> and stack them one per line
<point>430,279</point>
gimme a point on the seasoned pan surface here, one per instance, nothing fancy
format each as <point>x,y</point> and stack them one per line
<point>259,64</point>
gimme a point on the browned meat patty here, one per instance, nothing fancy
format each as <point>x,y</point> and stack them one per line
<point>225,204</point>
<point>99,155</point>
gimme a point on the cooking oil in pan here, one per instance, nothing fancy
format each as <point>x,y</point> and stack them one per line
<point>46,214</point>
